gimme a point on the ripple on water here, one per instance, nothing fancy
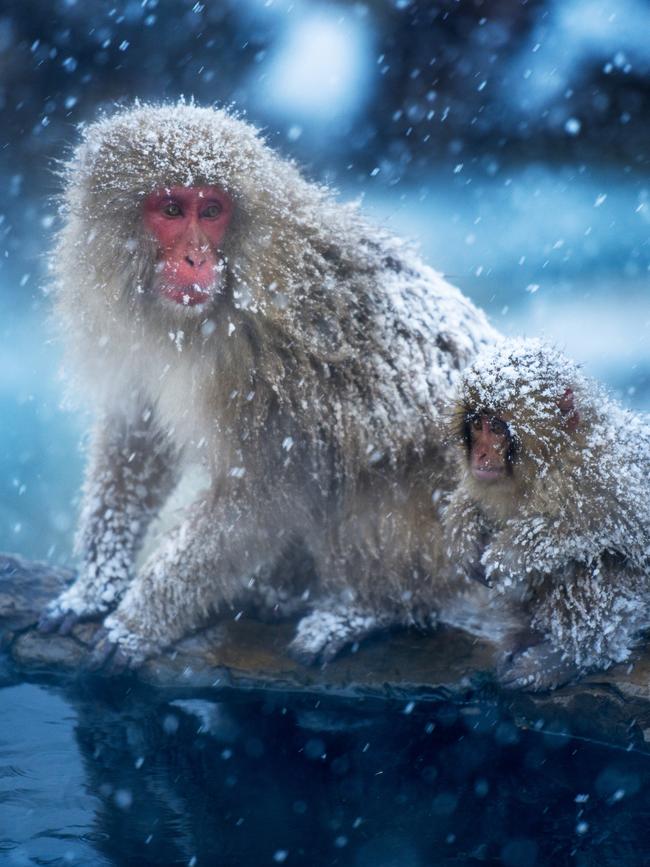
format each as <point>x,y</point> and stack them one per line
<point>46,808</point>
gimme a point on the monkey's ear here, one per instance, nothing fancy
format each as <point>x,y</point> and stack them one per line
<point>567,406</point>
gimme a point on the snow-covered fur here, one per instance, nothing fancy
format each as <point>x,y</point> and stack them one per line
<point>312,387</point>
<point>572,520</point>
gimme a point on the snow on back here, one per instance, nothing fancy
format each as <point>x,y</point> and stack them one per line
<point>329,287</point>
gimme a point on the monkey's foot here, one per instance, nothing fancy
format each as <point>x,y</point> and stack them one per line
<point>323,634</point>
<point>116,650</point>
<point>536,669</point>
<point>107,656</point>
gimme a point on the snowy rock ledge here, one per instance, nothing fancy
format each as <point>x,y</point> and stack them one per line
<point>448,666</point>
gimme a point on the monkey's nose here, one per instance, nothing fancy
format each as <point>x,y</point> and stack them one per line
<point>195,260</point>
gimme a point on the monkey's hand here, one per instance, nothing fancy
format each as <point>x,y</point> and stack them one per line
<point>500,567</point>
<point>536,669</point>
<point>111,657</point>
<point>465,538</point>
<point>71,607</point>
<point>523,547</point>
<point>324,633</point>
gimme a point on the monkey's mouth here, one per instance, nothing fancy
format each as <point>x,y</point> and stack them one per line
<point>189,296</point>
<point>189,285</point>
<point>487,473</point>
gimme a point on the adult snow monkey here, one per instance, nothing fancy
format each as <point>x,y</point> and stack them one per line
<point>553,507</point>
<point>219,308</point>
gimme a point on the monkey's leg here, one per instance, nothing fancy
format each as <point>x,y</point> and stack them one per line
<point>283,589</point>
<point>383,564</point>
<point>204,566</point>
<point>325,632</point>
<point>129,475</point>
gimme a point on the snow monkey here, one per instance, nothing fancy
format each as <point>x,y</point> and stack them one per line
<point>554,506</point>
<point>218,308</point>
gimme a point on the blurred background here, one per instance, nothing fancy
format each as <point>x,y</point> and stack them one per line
<point>509,138</point>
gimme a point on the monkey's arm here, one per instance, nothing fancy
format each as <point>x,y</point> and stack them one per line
<point>588,614</point>
<point>130,473</point>
<point>466,534</point>
<point>535,544</point>
<point>206,564</point>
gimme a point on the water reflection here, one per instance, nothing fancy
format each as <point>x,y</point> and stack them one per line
<point>112,776</point>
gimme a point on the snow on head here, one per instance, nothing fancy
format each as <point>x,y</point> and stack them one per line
<point>513,369</point>
<point>521,377</point>
<point>537,391</point>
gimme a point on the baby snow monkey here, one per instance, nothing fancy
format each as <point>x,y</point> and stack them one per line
<point>553,508</point>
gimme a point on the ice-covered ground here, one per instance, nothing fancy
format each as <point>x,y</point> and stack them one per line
<point>559,253</point>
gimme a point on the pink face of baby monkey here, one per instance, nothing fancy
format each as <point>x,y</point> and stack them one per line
<point>489,448</point>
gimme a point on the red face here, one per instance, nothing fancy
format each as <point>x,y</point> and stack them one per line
<point>489,447</point>
<point>189,224</point>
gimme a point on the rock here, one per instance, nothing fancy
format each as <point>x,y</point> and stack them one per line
<point>25,588</point>
<point>32,650</point>
<point>448,665</point>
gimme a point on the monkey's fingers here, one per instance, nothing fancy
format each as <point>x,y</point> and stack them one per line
<point>320,653</point>
<point>119,662</point>
<point>102,651</point>
<point>67,623</point>
<point>321,636</point>
<point>537,669</point>
<point>57,621</point>
<point>335,646</point>
<point>477,573</point>
<point>304,655</point>
<point>108,657</point>
<point>48,622</point>
<point>315,656</point>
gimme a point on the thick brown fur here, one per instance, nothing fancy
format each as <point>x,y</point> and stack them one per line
<point>311,388</point>
<point>569,524</point>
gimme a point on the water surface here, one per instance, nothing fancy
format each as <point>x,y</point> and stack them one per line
<point>93,775</point>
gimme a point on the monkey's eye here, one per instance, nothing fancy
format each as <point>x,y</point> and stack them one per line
<point>471,426</point>
<point>172,209</point>
<point>498,427</point>
<point>212,211</point>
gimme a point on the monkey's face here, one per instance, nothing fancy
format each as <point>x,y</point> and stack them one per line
<point>489,445</point>
<point>188,224</point>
